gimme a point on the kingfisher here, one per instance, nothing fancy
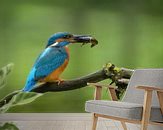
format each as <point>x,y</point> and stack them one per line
<point>54,58</point>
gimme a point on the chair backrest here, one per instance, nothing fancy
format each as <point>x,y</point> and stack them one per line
<point>147,77</point>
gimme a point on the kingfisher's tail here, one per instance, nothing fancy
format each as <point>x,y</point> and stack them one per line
<point>31,82</point>
<point>29,85</point>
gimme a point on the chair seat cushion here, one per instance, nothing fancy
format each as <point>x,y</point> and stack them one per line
<point>125,110</point>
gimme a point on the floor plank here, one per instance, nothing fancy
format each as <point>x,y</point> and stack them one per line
<point>57,121</point>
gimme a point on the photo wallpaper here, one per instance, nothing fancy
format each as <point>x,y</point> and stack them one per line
<point>129,34</point>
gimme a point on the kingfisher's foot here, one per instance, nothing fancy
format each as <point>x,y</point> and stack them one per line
<point>59,81</point>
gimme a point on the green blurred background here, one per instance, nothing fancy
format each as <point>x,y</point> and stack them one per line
<point>130,34</point>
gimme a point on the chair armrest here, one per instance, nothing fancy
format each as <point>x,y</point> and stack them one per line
<point>98,91</point>
<point>150,88</point>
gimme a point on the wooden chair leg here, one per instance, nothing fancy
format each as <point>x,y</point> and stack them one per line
<point>146,109</point>
<point>160,98</point>
<point>94,124</point>
<point>124,125</point>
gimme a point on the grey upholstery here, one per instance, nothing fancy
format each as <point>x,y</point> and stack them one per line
<point>132,111</point>
<point>147,77</point>
<point>115,108</point>
<point>132,104</point>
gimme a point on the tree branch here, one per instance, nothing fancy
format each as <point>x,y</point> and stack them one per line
<point>71,84</point>
<point>109,71</point>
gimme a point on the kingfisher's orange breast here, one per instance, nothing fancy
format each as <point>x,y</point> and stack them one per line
<point>56,73</point>
<point>54,76</point>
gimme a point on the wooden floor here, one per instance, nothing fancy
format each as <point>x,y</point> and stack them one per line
<point>59,121</point>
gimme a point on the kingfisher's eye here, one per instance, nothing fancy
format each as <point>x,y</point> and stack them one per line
<point>67,36</point>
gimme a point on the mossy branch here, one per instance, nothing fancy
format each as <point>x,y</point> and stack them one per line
<point>109,71</point>
<point>119,76</point>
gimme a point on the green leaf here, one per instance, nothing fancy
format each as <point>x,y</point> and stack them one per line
<point>20,99</point>
<point>3,74</point>
<point>8,126</point>
<point>24,98</point>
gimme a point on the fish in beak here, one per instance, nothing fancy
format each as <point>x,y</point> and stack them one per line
<point>84,39</point>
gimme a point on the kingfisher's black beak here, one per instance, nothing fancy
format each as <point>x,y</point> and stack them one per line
<point>84,39</point>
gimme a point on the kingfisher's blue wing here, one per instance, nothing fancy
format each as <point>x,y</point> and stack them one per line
<point>48,61</point>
